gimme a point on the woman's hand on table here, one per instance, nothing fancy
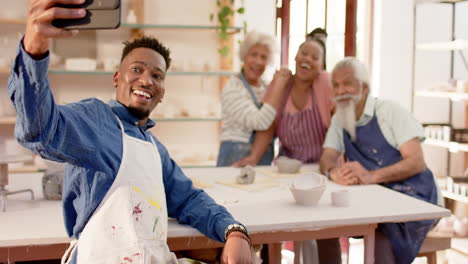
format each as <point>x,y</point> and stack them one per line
<point>249,160</point>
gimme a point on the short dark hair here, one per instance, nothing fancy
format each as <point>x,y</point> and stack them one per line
<point>150,43</point>
<point>317,31</point>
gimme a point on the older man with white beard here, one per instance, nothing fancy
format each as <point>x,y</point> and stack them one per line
<point>381,144</point>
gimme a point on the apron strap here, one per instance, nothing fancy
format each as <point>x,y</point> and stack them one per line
<point>66,258</point>
<point>123,130</point>
<point>120,124</point>
<point>249,88</point>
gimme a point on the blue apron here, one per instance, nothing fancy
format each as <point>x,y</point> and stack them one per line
<point>232,151</point>
<point>373,152</point>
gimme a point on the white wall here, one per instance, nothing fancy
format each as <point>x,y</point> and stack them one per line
<point>260,15</point>
<point>392,58</point>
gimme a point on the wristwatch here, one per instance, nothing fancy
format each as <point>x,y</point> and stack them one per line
<point>235,227</point>
<point>327,172</point>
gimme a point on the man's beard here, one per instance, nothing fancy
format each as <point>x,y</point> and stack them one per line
<point>138,113</point>
<point>346,113</point>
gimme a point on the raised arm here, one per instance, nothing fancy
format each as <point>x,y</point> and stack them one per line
<point>275,92</point>
<point>39,27</point>
<point>43,126</point>
<point>242,109</point>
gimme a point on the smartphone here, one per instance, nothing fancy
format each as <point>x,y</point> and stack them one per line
<point>95,4</point>
<point>100,18</point>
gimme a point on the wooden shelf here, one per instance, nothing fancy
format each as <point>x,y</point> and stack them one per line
<point>142,26</point>
<point>13,21</point>
<point>187,119</point>
<point>7,120</point>
<point>26,169</point>
<point>451,146</point>
<point>459,44</point>
<point>190,27</point>
<point>106,73</point>
<point>439,1</point>
<point>454,196</point>
<point>460,244</point>
<point>11,120</point>
<point>448,95</point>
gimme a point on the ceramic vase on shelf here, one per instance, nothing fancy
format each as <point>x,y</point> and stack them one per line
<point>52,181</point>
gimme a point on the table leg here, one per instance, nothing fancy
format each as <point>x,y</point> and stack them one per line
<point>369,245</point>
<point>274,253</point>
<point>3,183</point>
<point>297,252</point>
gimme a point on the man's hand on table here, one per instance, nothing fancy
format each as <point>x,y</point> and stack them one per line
<point>39,27</point>
<point>236,251</point>
<point>344,176</point>
<point>355,170</point>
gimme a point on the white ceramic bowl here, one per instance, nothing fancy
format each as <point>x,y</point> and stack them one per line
<point>308,189</point>
<point>287,165</point>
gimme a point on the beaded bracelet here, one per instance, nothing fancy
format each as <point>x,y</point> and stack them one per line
<point>240,235</point>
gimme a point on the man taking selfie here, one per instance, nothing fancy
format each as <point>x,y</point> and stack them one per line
<point>120,183</point>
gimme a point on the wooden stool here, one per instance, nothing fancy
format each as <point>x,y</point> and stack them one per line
<point>431,245</point>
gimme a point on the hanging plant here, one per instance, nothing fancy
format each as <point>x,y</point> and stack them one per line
<point>226,12</point>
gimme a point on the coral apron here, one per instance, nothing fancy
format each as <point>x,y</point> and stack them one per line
<point>232,151</point>
<point>373,152</point>
<point>130,224</point>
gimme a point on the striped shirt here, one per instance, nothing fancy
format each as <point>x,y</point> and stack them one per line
<point>240,115</point>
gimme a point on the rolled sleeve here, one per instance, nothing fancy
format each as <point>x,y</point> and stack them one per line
<point>404,127</point>
<point>28,70</point>
<point>334,137</point>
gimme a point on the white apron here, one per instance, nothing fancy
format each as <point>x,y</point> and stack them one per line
<point>130,224</point>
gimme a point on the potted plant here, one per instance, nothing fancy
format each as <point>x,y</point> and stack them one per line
<point>225,16</point>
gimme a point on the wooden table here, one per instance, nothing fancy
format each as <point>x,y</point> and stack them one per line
<point>35,230</point>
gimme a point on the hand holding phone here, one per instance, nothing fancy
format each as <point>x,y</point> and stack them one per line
<point>100,14</point>
<point>39,28</point>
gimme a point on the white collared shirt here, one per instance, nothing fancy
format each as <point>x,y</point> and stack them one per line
<point>398,126</point>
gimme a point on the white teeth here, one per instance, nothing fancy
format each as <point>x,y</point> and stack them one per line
<point>145,94</point>
<point>306,66</point>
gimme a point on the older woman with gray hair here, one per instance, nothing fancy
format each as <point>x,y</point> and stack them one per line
<point>244,107</point>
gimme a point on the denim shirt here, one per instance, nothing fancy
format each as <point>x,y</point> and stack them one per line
<point>86,135</point>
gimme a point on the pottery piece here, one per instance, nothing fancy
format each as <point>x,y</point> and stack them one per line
<point>246,176</point>
<point>287,165</point>
<point>308,189</point>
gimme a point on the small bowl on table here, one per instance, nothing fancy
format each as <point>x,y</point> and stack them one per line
<point>307,189</point>
<point>287,165</point>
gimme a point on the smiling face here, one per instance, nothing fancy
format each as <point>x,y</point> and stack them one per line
<point>347,89</point>
<point>309,61</point>
<point>255,63</point>
<point>345,85</point>
<point>140,81</point>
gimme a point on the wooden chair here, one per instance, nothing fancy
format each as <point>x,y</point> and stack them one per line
<point>431,245</point>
